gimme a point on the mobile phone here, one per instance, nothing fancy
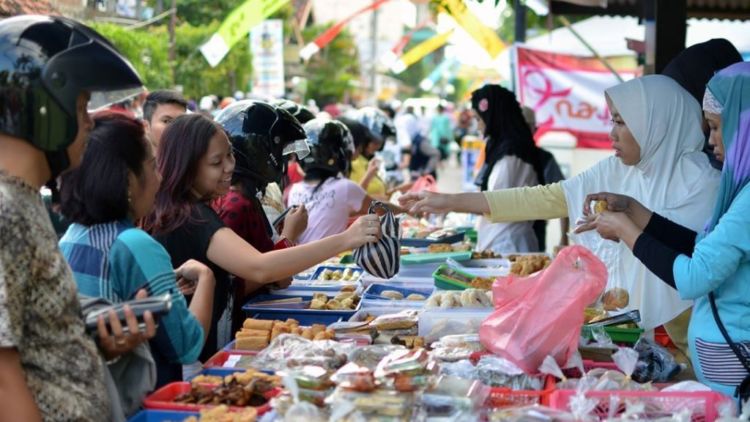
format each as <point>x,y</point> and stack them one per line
<point>158,305</point>
<point>281,216</point>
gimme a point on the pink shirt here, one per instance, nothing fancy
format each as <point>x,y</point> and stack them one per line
<point>328,208</point>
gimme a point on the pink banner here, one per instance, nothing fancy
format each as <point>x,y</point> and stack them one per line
<point>567,94</point>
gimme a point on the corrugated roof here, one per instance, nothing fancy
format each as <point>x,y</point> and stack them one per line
<point>21,7</point>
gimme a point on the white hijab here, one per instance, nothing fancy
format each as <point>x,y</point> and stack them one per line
<point>673,178</point>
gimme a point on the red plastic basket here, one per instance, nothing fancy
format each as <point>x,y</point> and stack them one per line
<point>703,405</point>
<point>501,397</point>
<point>164,397</point>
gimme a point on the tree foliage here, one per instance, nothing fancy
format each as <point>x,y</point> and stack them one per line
<point>332,71</point>
<point>147,52</point>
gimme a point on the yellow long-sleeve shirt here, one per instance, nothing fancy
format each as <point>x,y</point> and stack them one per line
<point>541,202</point>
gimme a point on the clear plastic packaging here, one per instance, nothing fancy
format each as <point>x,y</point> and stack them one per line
<point>498,372</point>
<point>354,377</point>
<point>370,356</point>
<point>289,351</point>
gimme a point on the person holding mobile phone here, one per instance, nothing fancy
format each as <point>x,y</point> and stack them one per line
<point>114,187</point>
<point>51,369</point>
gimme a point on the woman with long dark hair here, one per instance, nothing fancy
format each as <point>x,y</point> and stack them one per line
<point>197,163</point>
<point>512,160</point>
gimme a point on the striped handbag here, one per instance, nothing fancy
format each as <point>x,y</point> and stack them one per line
<point>382,259</point>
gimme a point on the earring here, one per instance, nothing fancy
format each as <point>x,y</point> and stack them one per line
<point>130,199</point>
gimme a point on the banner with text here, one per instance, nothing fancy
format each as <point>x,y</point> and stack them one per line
<point>267,46</point>
<point>567,93</point>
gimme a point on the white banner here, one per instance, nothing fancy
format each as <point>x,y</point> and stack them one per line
<point>267,47</point>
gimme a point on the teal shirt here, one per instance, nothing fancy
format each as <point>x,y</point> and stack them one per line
<point>114,261</point>
<point>720,263</point>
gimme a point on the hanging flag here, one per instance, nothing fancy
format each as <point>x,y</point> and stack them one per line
<point>234,28</point>
<point>326,37</point>
<point>389,57</point>
<point>444,70</point>
<point>481,33</point>
<point>420,50</point>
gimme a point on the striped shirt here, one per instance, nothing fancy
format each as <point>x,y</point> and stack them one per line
<point>115,260</point>
<point>719,363</point>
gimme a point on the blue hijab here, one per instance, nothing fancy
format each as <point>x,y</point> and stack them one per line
<point>731,88</point>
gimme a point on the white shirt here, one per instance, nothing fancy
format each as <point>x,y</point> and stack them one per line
<point>508,172</point>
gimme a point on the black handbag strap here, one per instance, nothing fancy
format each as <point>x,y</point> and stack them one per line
<point>734,346</point>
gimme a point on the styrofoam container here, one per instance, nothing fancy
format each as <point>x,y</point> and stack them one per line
<point>437,323</point>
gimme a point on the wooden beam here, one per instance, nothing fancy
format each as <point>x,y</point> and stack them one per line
<point>671,31</point>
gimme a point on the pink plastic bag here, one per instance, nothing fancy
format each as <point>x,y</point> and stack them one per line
<point>424,183</point>
<point>542,314</point>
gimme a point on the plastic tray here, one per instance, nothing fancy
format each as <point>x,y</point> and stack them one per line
<point>163,399</point>
<point>618,335</point>
<point>304,316</point>
<point>319,271</point>
<point>446,283</point>
<point>703,405</point>
<point>218,372</point>
<point>431,258</point>
<point>161,416</point>
<point>425,281</point>
<point>421,243</point>
<point>372,296</point>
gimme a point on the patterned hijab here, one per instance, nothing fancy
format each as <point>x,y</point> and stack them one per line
<point>730,88</point>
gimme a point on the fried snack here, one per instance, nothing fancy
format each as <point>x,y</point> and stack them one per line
<point>320,296</point>
<point>317,328</point>
<point>524,265</point>
<point>600,206</point>
<point>258,324</point>
<point>318,304</point>
<point>349,288</point>
<point>484,283</point>
<point>247,332</point>
<point>415,296</point>
<point>252,375</point>
<point>292,321</point>
<point>439,248</point>
<point>616,298</point>
<point>392,294</point>
<point>207,379</point>
<point>486,254</point>
<point>251,343</point>
<point>400,321</point>
<point>334,305</point>
<point>410,342</point>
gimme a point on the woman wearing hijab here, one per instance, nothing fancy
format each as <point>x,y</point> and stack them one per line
<point>695,66</point>
<point>512,160</point>
<point>657,139</point>
<point>708,265</point>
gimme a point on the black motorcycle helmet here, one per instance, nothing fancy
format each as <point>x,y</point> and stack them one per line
<point>300,112</point>
<point>45,63</point>
<point>331,146</point>
<point>261,135</point>
<point>376,121</point>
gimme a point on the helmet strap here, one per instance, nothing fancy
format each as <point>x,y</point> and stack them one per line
<point>58,162</point>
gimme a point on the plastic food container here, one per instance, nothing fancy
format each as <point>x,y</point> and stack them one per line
<point>424,264</point>
<point>618,335</point>
<point>298,311</point>
<point>372,296</point>
<point>368,280</point>
<point>422,243</point>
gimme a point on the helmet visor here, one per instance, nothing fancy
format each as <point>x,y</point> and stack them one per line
<point>299,147</point>
<point>103,99</point>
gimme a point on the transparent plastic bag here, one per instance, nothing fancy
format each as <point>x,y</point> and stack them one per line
<point>542,314</point>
